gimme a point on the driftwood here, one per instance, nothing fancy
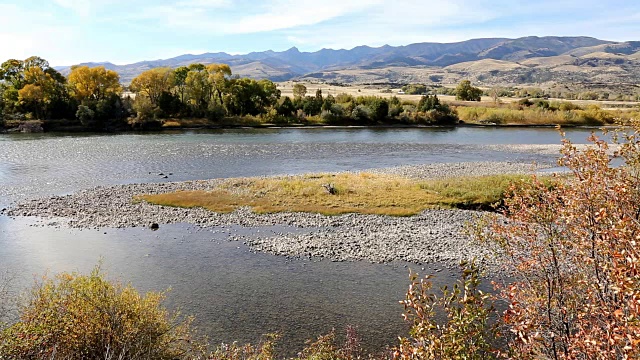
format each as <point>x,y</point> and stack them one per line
<point>331,189</point>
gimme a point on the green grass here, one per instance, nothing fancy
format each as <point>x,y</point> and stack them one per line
<point>361,193</point>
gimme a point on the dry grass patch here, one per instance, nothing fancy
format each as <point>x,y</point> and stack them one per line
<point>362,193</point>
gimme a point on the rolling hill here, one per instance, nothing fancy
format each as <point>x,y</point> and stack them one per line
<point>487,61</point>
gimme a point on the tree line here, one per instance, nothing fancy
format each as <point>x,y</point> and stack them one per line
<point>94,98</point>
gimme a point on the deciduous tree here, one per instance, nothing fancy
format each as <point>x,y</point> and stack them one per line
<point>466,92</point>
<point>152,83</point>
<point>299,91</point>
<point>219,78</point>
<point>93,84</point>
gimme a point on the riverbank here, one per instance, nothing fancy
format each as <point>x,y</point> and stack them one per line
<point>434,235</point>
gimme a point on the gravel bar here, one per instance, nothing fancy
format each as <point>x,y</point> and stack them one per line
<point>431,236</point>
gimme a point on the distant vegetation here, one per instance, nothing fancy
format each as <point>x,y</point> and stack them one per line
<point>35,97</point>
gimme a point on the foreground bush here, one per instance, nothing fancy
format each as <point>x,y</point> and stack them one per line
<point>75,316</point>
<point>574,250</point>
<point>465,333</point>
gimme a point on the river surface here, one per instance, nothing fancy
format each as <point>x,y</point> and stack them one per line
<point>234,293</point>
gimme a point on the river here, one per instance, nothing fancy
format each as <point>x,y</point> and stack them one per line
<point>234,293</point>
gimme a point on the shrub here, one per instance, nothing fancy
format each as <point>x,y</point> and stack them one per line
<point>262,351</point>
<point>85,115</point>
<point>75,316</point>
<point>574,249</point>
<point>466,332</point>
<point>361,114</point>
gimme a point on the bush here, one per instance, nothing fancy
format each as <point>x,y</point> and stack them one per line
<point>466,332</point>
<point>414,89</point>
<point>85,115</point>
<point>361,114</point>
<point>574,249</point>
<point>75,316</point>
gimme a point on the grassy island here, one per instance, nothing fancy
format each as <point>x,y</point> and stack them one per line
<point>334,194</point>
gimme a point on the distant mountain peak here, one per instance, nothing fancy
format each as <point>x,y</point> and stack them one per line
<point>293,63</point>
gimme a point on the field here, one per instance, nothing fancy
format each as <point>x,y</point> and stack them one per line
<point>286,89</point>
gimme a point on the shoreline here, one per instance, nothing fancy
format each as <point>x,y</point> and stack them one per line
<point>80,130</point>
<point>434,235</point>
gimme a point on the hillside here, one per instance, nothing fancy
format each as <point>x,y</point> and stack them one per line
<point>528,60</point>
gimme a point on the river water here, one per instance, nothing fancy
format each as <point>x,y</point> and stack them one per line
<point>234,293</point>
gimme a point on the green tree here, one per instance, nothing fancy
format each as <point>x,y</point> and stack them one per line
<point>414,89</point>
<point>198,88</point>
<point>299,91</point>
<point>179,78</point>
<point>286,108</point>
<point>379,109</point>
<point>466,92</point>
<point>12,72</point>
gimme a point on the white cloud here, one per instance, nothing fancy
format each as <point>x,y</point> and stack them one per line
<point>269,16</point>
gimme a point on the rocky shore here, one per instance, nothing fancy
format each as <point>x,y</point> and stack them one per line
<point>431,236</point>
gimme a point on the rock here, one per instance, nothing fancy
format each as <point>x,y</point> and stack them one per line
<point>431,236</point>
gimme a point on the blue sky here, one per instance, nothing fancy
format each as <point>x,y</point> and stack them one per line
<point>67,32</point>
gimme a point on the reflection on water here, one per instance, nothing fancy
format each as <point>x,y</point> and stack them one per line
<point>235,294</point>
<point>36,164</point>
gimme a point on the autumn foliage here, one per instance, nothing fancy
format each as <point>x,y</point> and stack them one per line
<point>75,316</point>
<point>573,250</point>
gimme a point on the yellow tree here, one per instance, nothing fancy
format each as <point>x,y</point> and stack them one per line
<point>218,77</point>
<point>152,83</point>
<point>39,90</point>
<point>86,84</point>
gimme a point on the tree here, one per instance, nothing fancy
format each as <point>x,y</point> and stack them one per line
<point>93,84</point>
<point>379,109</point>
<point>573,247</point>
<point>466,92</point>
<point>152,83</point>
<point>179,78</point>
<point>198,87</point>
<point>250,97</point>
<point>286,108</point>
<point>36,85</point>
<point>219,78</point>
<point>12,71</point>
<point>299,91</point>
<point>428,103</point>
<point>415,89</point>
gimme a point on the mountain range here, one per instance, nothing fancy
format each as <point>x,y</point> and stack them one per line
<point>527,60</point>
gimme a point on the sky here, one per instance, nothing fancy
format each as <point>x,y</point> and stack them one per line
<point>67,32</point>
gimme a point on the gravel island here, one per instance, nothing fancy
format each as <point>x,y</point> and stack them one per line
<point>435,235</point>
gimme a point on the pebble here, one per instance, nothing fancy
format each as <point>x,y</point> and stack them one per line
<point>431,236</point>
